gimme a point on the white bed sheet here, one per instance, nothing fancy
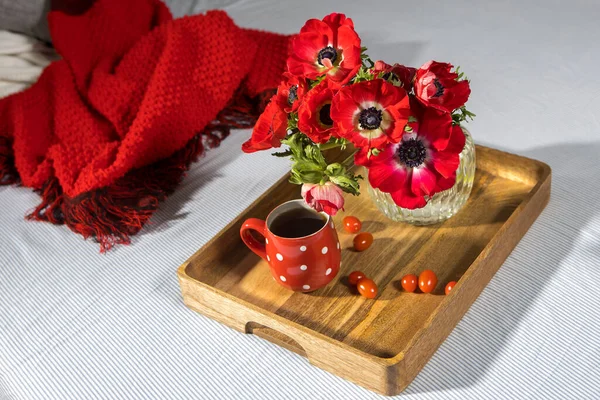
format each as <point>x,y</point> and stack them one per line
<point>75,324</point>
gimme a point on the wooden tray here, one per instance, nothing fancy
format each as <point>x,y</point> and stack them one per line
<point>380,344</point>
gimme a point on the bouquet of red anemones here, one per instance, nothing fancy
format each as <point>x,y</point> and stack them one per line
<point>403,122</point>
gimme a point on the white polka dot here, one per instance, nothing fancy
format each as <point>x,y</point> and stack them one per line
<point>303,267</point>
<point>279,257</point>
<point>302,248</point>
<point>324,250</point>
<point>268,258</point>
<point>328,271</point>
<point>338,245</point>
<point>266,241</point>
<point>306,287</point>
<point>282,278</point>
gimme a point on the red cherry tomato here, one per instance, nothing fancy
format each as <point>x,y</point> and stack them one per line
<point>367,288</point>
<point>363,241</point>
<point>409,282</point>
<point>352,224</point>
<point>427,281</point>
<point>449,287</point>
<point>356,276</point>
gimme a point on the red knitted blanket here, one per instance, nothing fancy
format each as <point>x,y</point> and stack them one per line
<point>107,132</point>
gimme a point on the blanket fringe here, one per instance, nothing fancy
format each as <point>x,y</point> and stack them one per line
<point>112,214</point>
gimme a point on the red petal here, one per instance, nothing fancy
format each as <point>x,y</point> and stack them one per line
<point>445,163</point>
<point>316,26</point>
<point>268,131</point>
<point>346,39</point>
<point>335,20</point>
<point>387,178</point>
<point>445,183</point>
<point>405,199</point>
<point>456,144</point>
<point>423,181</point>
<point>436,126</point>
<point>343,109</point>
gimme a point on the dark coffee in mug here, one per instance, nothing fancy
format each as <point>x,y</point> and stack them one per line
<point>298,222</point>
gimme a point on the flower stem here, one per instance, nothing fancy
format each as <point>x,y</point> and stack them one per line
<point>346,163</point>
<point>328,146</point>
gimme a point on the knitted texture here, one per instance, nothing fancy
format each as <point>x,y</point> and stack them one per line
<point>108,131</point>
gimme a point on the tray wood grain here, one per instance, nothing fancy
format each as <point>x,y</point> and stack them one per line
<point>381,344</point>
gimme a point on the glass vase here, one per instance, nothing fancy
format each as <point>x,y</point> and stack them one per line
<point>442,205</point>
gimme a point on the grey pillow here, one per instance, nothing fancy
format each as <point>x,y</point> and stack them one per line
<point>25,16</point>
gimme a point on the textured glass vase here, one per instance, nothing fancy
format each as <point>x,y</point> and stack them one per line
<point>442,205</point>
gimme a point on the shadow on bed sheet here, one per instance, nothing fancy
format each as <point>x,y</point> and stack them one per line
<point>472,351</point>
<point>170,211</point>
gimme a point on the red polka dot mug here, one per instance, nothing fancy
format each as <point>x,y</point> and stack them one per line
<point>300,245</point>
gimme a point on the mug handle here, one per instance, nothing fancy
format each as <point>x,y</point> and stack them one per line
<point>258,225</point>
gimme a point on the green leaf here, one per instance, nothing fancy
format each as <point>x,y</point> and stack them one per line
<point>299,179</point>
<point>348,184</point>
<point>335,169</point>
<point>313,153</point>
<point>285,153</point>
<point>462,114</point>
<point>293,121</point>
<point>412,119</point>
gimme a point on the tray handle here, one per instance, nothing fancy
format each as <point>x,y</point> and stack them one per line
<point>276,337</point>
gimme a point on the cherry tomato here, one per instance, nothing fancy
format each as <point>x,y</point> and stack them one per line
<point>352,224</point>
<point>409,282</point>
<point>427,281</point>
<point>356,276</point>
<point>449,287</point>
<point>363,241</point>
<point>367,288</point>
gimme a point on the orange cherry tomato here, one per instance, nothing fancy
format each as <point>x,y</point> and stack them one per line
<point>409,282</point>
<point>449,287</point>
<point>356,276</point>
<point>427,281</point>
<point>352,224</point>
<point>367,288</point>
<point>363,241</point>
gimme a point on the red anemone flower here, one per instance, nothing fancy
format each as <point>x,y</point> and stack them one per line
<point>270,128</point>
<point>330,46</point>
<point>396,74</point>
<point>290,92</point>
<point>437,86</point>
<point>372,113</point>
<point>414,169</point>
<point>314,115</point>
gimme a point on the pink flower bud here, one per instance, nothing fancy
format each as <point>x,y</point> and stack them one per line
<point>328,197</point>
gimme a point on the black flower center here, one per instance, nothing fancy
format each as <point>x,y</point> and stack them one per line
<point>329,53</point>
<point>293,94</point>
<point>439,88</point>
<point>412,153</point>
<point>324,115</point>
<point>370,118</point>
